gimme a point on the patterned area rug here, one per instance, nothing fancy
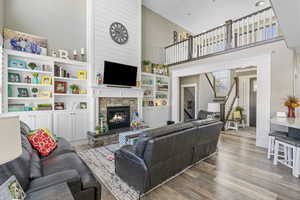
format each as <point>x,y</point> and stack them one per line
<point>104,170</point>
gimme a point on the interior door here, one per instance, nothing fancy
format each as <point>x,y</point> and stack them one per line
<point>252,102</point>
<point>188,103</point>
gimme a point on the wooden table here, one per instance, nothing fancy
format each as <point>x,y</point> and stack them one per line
<point>55,192</point>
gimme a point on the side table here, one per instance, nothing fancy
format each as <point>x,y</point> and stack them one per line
<point>55,192</point>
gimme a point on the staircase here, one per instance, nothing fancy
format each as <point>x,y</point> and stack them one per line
<point>228,102</point>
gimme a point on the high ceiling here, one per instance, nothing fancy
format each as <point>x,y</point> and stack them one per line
<point>200,15</point>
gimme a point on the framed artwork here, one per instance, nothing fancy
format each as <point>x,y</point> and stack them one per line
<point>24,42</point>
<point>14,77</point>
<point>46,80</point>
<point>12,190</point>
<point>23,92</point>
<point>83,105</point>
<point>44,94</point>
<point>81,75</point>
<point>60,87</point>
<point>59,106</point>
<point>16,63</point>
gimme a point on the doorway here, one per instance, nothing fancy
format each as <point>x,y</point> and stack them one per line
<point>188,102</point>
<point>252,102</point>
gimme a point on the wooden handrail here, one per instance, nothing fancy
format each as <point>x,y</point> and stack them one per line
<point>231,88</point>
<point>211,85</point>
<point>230,109</point>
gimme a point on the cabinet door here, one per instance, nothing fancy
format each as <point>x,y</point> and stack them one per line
<point>63,125</point>
<point>43,120</point>
<point>80,124</point>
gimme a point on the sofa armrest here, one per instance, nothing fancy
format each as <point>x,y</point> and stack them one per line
<point>131,168</point>
<point>71,177</point>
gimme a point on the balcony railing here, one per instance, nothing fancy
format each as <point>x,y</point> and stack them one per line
<point>254,29</point>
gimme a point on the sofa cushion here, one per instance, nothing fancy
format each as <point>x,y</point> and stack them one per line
<point>35,166</point>
<point>69,161</point>
<point>63,146</point>
<point>42,142</point>
<point>25,129</point>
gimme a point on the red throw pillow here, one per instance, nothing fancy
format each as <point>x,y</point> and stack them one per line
<point>42,142</point>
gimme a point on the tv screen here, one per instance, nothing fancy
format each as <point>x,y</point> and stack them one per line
<point>119,74</point>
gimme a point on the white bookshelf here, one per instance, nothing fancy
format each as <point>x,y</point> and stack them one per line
<point>11,96</point>
<point>153,84</point>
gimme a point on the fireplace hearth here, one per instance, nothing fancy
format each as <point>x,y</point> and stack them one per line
<point>118,117</point>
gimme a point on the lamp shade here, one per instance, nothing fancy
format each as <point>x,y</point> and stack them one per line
<point>10,139</point>
<point>213,107</point>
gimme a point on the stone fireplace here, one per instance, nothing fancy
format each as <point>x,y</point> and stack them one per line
<point>117,112</point>
<point>118,117</point>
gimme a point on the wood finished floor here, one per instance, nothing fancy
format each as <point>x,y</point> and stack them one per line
<point>239,171</point>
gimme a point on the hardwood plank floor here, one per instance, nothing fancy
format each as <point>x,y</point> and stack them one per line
<point>239,171</point>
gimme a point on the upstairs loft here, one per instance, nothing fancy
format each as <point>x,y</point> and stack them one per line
<point>258,28</point>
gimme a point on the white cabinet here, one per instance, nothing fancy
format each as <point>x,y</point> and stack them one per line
<point>72,125</point>
<point>36,120</point>
<point>156,116</point>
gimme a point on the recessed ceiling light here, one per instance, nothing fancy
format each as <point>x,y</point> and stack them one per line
<point>260,3</point>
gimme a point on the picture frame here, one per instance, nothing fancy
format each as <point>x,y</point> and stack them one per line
<point>83,105</point>
<point>46,80</point>
<point>59,106</point>
<point>12,190</point>
<point>14,77</point>
<point>60,87</point>
<point>23,92</point>
<point>82,75</point>
<point>16,63</point>
<point>25,42</point>
<point>44,94</point>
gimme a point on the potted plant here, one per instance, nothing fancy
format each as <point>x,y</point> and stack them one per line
<point>239,109</point>
<point>34,92</point>
<point>36,78</point>
<point>74,88</point>
<point>292,103</point>
<point>98,129</point>
<point>147,66</point>
<point>32,65</point>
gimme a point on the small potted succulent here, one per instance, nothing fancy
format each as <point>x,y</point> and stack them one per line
<point>75,89</point>
<point>36,78</point>
<point>32,65</point>
<point>34,92</point>
<point>239,109</point>
<point>147,66</point>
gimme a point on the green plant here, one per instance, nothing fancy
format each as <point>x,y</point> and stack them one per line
<point>146,62</point>
<point>34,90</point>
<point>74,87</point>
<point>98,128</point>
<point>239,109</point>
<point>32,66</point>
<point>35,74</point>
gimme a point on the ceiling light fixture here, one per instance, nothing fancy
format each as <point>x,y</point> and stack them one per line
<point>260,3</point>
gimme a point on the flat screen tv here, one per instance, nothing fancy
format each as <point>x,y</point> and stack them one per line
<point>119,74</point>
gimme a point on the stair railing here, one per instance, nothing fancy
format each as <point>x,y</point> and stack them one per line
<point>251,30</point>
<point>231,98</point>
<point>212,82</point>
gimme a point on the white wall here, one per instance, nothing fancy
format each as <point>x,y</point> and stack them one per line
<point>127,12</point>
<point>1,15</point>
<point>157,33</point>
<point>63,22</point>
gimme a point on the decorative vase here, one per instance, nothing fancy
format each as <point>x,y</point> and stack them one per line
<point>36,80</point>
<point>291,113</point>
<point>75,92</point>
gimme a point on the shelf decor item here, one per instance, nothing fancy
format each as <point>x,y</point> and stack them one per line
<point>23,92</point>
<point>82,54</point>
<point>292,103</point>
<point>83,105</point>
<point>36,78</point>
<point>46,80</point>
<point>75,89</point>
<point>34,92</point>
<point>60,87</point>
<point>32,66</point>
<point>59,106</point>
<point>82,75</point>
<point>27,79</point>
<point>16,63</point>
<point>147,66</point>
<point>24,42</point>
<point>14,77</point>
<point>99,78</point>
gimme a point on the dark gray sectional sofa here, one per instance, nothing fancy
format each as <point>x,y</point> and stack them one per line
<point>161,153</point>
<point>63,165</point>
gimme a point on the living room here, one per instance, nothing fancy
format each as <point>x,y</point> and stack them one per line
<point>96,100</point>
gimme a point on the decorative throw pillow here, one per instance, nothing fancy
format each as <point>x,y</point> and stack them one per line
<point>12,190</point>
<point>42,142</point>
<point>53,136</point>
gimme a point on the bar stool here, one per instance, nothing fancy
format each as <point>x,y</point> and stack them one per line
<point>272,137</point>
<point>291,153</point>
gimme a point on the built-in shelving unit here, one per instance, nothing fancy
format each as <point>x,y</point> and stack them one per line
<point>155,88</point>
<point>22,92</point>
